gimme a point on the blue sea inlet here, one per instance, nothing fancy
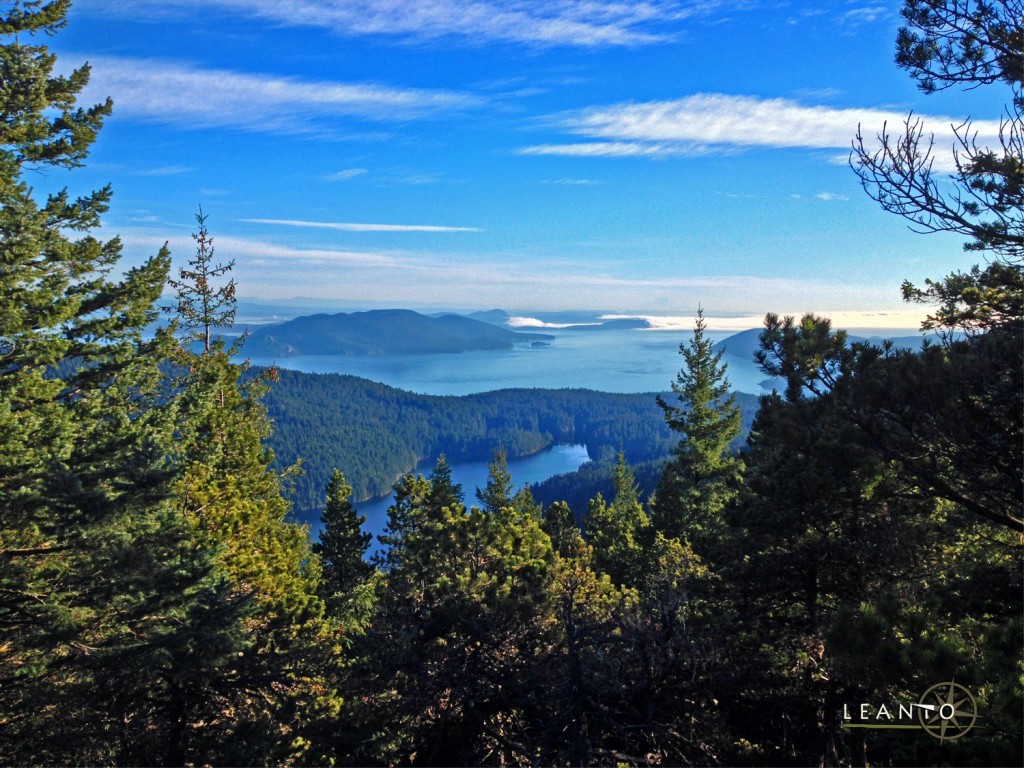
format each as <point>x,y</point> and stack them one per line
<point>607,361</point>
<point>556,460</point>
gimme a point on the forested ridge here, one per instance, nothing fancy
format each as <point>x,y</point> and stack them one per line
<point>379,433</point>
<point>383,332</point>
<point>862,552</point>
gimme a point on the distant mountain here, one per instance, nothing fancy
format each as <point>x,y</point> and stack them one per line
<point>381,332</point>
<point>745,343</point>
<point>742,344</point>
<point>497,317</point>
<point>622,324</point>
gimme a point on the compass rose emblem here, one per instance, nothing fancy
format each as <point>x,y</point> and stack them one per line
<point>947,711</point>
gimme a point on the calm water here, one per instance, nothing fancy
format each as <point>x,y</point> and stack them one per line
<point>557,460</point>
<point>608,361</point>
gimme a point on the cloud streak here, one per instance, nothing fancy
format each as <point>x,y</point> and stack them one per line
<point>190,97</point>
<point>576,23</point>
<point>717,123</point>
<point>349,227</point>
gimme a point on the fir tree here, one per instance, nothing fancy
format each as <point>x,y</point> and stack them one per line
<point>702,474</point>
<point>618,530</point>
<point>112,619</point>
<point>342,543</point>
<point>202,306</point>
<point>497,493</point>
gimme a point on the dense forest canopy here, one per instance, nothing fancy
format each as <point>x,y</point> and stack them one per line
<point>862,550</point>
<point>379,433</point>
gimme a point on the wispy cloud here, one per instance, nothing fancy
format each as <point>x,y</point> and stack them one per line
<point>345,175</point>
<point>578,23</point>
<point>347,227</point>
<point>716,123</point>
<point>396,277</point>
<point>165,170</point>
<point>249,252</point>
<point>190,97</point>
<point>616,149</point>
<point>829,196</point>
<point>867,14</point>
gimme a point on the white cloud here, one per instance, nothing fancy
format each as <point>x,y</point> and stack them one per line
<point>890,319</point>
<point>706,123</point>
<point>829,196</point>
<point>348,227</point>
<point>166,170</point>
<point>574,182</point>
<point>586,23</point>
<point>533,322</point>
<point>345,175</point>
<point>865,15</point>
<point>614,149</point>
<point>249,252</point>
<point>394,277</point>
<point>183,95</point>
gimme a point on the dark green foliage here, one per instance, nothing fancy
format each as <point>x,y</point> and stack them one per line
<point>560,526</point>
<point>576,489</point>
<point>342,543</point>
<point>959,43</point>
<point>497,493</point>
<point>116,626</point>
<point>618,530</point>
<point>459,628</point>
<point>860,528</point>
<point>377,433</point>
<point>230,494</point>
<point>702,475</point>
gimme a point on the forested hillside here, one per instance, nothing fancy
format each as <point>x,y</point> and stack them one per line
<point>376,433</point>
<point>383,332</point>
<point>858,565</point>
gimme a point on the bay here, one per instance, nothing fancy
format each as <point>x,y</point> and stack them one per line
<point>606,360</point>
<point>556,460</point>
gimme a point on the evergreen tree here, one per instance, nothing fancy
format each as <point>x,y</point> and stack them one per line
<point>227,488</point>
<point>497,493</point>
<point>115,624</point>
<point>444,493</point>
<point>618,531</point>
<point>702,475</point>
<point>342,544</point>
<point>202,306</point>
<point>453,650</point>
<point>560,526</point>
<point>956,44</point>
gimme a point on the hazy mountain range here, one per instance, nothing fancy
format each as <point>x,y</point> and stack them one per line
<point>383,332</point>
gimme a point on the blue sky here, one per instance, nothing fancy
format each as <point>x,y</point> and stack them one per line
<point>630,157</point>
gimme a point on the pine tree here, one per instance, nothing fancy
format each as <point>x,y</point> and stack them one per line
<point>560,526</point>
<point>702,474</point>
<point>342,544</point>
<point>201,306</point>
<point>444,493</point>
<point>497,493</point>
<point>111,617</point>
<point>618,531</point>
<point>464,608</point>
